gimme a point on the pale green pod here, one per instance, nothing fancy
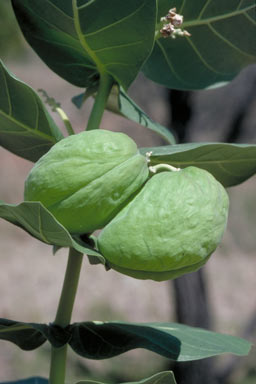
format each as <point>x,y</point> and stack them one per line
<point>85,179</point>
<point>171,227</point>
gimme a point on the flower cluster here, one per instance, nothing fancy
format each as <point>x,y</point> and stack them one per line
<point>171,23</point>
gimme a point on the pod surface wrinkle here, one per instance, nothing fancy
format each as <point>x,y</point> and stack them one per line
<point>85,179</point>
<point>171,227</point>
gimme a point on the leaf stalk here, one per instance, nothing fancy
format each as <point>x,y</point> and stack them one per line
<point>106,83</point>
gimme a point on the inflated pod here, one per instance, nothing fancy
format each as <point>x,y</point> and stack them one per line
<point>171,227</point>
<point>85,179</point>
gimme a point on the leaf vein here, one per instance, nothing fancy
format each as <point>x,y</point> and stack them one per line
<point>203,9</point>
<point>168,61</point>
<point>228,42</point>
<point>26,128</point>
<point>58,9</point>
<point>117,22</point>
<point>119,46</point>
<point>196,22</point>
<point>205,63</point>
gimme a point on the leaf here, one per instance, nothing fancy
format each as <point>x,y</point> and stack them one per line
<point>30,380</point>
<point>231,164</point>
<point>102,340</point>
<point>29,336</point>
<point>120,103</point>
<point>166,377</point>
<point>220,46</point>
<point>26,128</point>
<point>34,218</point>
<point>24,335</point>
<point>80,39</point>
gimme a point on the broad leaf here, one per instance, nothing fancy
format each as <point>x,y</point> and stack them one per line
<point>102,340</point>
<point>231,164</point>
<point>30,380</point>
<point>26,128</point>
<point>120,103</point>
<point>25,336</point>
<point>34,218</point>
<point>166,377</point>
<point>79,39</point>
<point>29,336</point>
<point>221,44</point>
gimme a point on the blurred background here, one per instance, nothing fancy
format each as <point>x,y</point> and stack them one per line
<point>220,297</point>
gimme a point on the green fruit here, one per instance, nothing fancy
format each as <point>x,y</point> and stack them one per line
<point>171,227</point>
<point>85,179</point>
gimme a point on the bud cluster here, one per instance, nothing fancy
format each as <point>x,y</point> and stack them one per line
<point>171,23</point>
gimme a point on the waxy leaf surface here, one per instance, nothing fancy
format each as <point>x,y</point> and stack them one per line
<point>26,128</point>
<point>230,164</point>
<point>80,39</point>
<point>35,219</point>
<point>222,43</point>
<point>166,377</point>
<point>102,340</point>
<point>120,103</point>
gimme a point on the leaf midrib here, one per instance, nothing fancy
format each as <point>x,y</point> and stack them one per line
<point>82,38</point>
<point>34,131</point>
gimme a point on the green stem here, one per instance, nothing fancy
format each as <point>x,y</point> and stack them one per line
<point>65,120</point>
<point>106,82</point>
<point>64,313</point>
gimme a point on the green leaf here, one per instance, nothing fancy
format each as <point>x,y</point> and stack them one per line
<point>30,380</point>
<point>120,103</point>
<point>80,39</point>
<point>166,377</point>
<point>29,336</point>
<point>25,336</point>
<point>102,340</point>
<point>220,46</point>
<point>26,128</point>
<point>230,164</point>
<point>34,218</point>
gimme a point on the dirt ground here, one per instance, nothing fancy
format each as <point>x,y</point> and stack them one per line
<point>31,277</point>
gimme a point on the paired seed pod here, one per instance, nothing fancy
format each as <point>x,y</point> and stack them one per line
<point>85,179</point>
<point>158,229</point>
<point>170,228</point>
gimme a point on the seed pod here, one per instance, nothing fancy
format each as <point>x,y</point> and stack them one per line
<point>171,227</point>
<point>85,179</point>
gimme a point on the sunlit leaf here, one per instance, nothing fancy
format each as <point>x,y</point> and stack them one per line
<point>34,218</point>
<point>231,164</point>
<point>102,340</point>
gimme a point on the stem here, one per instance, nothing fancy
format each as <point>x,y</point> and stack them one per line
<point>66,121</point>
<point>64,313</point>
<point>168,167</point>
<point>106,82</point>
